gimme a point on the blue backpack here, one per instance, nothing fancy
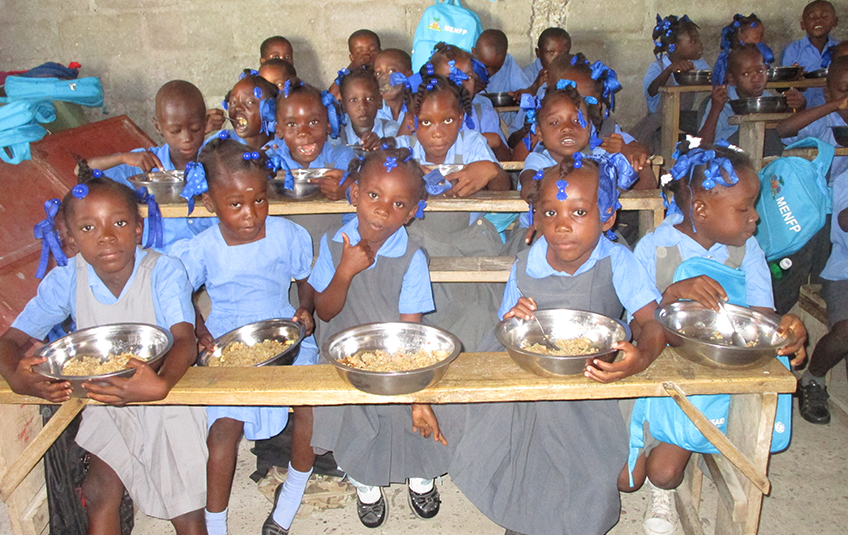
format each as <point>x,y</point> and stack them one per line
<point>446,21</point>
<point>794,199</point>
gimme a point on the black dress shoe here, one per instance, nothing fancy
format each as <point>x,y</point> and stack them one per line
<point>812,403</point>
<point>270,527</point>
<point>425,505</point>
<point>372,515</point>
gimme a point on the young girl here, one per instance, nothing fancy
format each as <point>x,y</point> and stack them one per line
<point>250,105</point>
<point>360,103</point>
<point>157,453</point>
<point>388,62</point>
<point>246,263</point>
<point>369,270</point>
<point>550,467</point>
<point>439,109</point>
<point>718,222</point>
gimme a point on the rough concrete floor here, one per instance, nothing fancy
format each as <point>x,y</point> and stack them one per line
<point>809,494</point>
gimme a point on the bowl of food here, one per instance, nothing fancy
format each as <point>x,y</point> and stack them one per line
<point>783,74</point>
<point>818,73</point>
<point>358,150</point>
<point>579,336</point>
<point>694,77</point>
<point>302,187</point>
<point>501,99</point>
<point>273,342</point>
<point>445,168</point>
<point>164,185</point>
<point>390,359</point>
<point>98,353</point>
<point>840,134</point>
<point>766,104</point>
<point>698,334</point>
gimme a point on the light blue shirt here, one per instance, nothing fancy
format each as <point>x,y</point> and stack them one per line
<point>758,292</point>
<point>416,294</point>
<point>837,264</point>
<point>632,285</point>
<point>821,129</point>
<point>654,70</point>
<point>331,157</point>
<point>723,128</point>
<point>531,71</point>
<point>509,78</point>
<point>487,120</point>
<point>805,54</point>
<point>57,295</point>
<point>382,127</point>
<point>385,113</point>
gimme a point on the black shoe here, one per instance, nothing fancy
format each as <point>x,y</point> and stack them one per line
<point>270,527</point>
<point>425,505</point>
<point>372,515</point>
<point>812,403</point>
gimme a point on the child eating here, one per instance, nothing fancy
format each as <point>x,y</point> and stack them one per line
<point>504,73</point>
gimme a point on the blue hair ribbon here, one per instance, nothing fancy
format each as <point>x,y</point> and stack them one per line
<point>768,55</point>
<point>672,47</point>
<point>469,121</point>
<point>398,78</point>
<point>287,88</point>
<point>195,177</point>
<point>593,101</point>
<point>540,174</point>
<point>614,173</point>
<point>480,70</point>
<point>561,184</point>
<point>562,84</point>
<point>594,141</point>
<point>80,191</point>
<point>257,92</point>
<point>720,69</point>
<point>155,225</point>
<point>341,74</point>
<point>330,102</point>
<point>435,182</point>
<point>267,112</point>
<point>422,204</point>
<point>581,119</point>
<point>45,231</point>
<point>578,160</point>
<point>456,76</point>
<point>390,163</point>
<point>611,83</point>
<point>530,105</point>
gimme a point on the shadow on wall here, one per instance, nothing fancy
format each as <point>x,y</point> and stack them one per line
<point>308,64</point>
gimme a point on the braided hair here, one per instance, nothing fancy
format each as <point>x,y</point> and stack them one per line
<point>668,31</point>
<point>554,93</point>
<point>269,90</point>
<point>580,64</point>
<point>94,180</point>
<point>223,157</point>
<point>692,179</point>
<point>375,162</point>
<point>433,84</point>
<point>358,74</point>
<point>557,172</point>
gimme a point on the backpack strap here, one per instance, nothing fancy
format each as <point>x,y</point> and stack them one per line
<point>824,157</point>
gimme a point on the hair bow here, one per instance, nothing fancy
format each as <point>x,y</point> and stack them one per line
<point>562,84</point>
<point>80,191</point>
<point>581,119</point>
<point>768,55</point>
<point>341,74</point>
<point>727,34</point>
<point>530,105</point>
<point>155,225</point>
<point>614,173</point>
<point>195,177</point>
<point>398,78</point>
<point>422,204</point>
<point>480,70</point>
<point>253,72</point>
<point>561,184</point>
<point>330,102</point>
<point>45,231</point>
<point>594,140</point>
<point>286,88</point>
<point>268,114</point>
<point>686,164</point>
<point>611,83</point>
<point>277,161</point>
<point>435,182</point>
<point>456,76</point>
<point>390,163</point>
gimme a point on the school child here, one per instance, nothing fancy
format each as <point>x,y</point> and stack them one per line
<point>370,270</point>
<point>678,48</point>
<point>276,47</point>
<point>246,263</point>
<point>363,45</point>
<point>439,109</point>
<point>388,62</point>
<point>550,467</point>
<point>278,72</point>
<point>744,30</point>
<point>251,110</point>
<point>157,453</point>
<point>360,103</point>
<point>818,20</point>
<point>746,77</point>
<point>716,189</point>
<point>552,42</point>
<point>504,73</point>
<point>180,119</point>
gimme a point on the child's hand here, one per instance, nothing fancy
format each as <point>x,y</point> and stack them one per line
<point>355,258</point>
<point>471,179</point>
<point>791,325</point>
<point>843,104</point>
<point>329,184</point>
<point>702,289</point>
<point>719,97</point>
<point>407,127</point>
<point>29,383</point>
<point>370,141</point>
<point>523,309</point>
<point>636,153</point>
<point>214,120</point>
<point>795,100</point>
<point>424,421</point>
<point>614,143</point>
<point>301,315</point>
<point>144,159</point>
<point>205,340</point>
<point>144,385</point>
<point>681,65</point>
<point>631,363</point>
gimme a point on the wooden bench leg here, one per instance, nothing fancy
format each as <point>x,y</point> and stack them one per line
<point>752,138</point>
<point>670,103</point>
<point>688,498</point>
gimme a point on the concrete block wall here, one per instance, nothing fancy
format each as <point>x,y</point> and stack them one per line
<point>135,46</point>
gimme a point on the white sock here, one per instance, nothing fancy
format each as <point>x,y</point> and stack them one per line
<point>216,523</point>
<point>420,486</point>
<point>290,497</point>
<point>366,493</point>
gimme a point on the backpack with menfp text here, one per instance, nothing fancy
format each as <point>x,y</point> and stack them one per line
<point>446,21</point>
<point>794,199</point>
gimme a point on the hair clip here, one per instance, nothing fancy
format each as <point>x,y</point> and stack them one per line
<point>408,156</point>
<point>591,100</point>
<point>540,174</point>
<point>672,47</point>
<point>286,88</point>
<point>330,102</point>
<point>247,156</point>
<point>432,84</point>
<point>96,173</point>
<point>422,204</point>
<point>578,160</point>
<point>581,119</point>
<point>80,191</point>
<point>595,141</point>
<point>341,74</point>
<point>429,69</point>
<point>384,146</point>
<point>390,163</point>
<point>223,134</point>
<point>50,243</point>
<point>561,184</point>
<point>257,92</point>
<point>562,84</point>
<point>195,183</point>
<point>736,24</point>
<point>469,121</point>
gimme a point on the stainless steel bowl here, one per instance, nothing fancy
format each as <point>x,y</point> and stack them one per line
<point>695,334</point>
<point>358,150</point>
<point>694,77</point>
<point>501,99</point>
<point>280,330</point>
<point>149,342</point>
<point>303,189</point>
<point>783,74</point>
<point>746,106</point>
<point>165,185</point>
<point>561,324</point>
<point>820,73</point>
<point>391,337</point>
<point>445,168</point>
<point>840,134</point>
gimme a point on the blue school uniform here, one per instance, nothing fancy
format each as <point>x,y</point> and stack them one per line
<point>486,120</point>
<point>382,127</point>
<point>249,283</point>
<point>821,129</point>
<point>531,71</point>
<point>653,71</point>
<point>805,54</point>
<point>173,228</point>
<point>385,113</point>
<point>509,78</point>
<point>331,157</point>
<point>837,264</point>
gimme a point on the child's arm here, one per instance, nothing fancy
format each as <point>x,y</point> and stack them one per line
<point>790,126</point>
<point>144,159</point>
<point>661,80</point>
<point>792,325</point>
<point>354,259</point>
<point>214,120</point>
<point>16,369</point>
<point>424,421</point>
<point>842,219</point>
<point>306,296</point>
<point>330,184</point>
<point>795,100</point>
<point>476,176</point>
<point>718,100</point>
<point>205,340</point>
<point>370,141</point>
<point>702,289</point>
<point>502,152</point>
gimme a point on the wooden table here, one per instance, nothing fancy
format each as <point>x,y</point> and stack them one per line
<point>671,95</point>
<point>752,132</point>
<point>494,377</point>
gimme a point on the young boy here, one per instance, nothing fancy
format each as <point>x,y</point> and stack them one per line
<point>504,73</point>
<point>276,47</point>
<point>181,120</point>
<point>552,43</point>
<point>363,45</point>
<point>360,103</point>
<point>833,346</point>
<point>386,63</point>
<point>278,72</point>
<point>818,20</point>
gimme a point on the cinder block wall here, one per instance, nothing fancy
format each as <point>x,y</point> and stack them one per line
<point>135,46</point>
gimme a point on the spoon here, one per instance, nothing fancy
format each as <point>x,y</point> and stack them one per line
<point>546,341</point>
<point>735,337</point>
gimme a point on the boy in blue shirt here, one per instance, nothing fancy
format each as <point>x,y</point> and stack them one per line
<point>504,73</point>
<point>552,43</point>
<point>818,20</point>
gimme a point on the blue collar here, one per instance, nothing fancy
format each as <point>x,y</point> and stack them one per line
<point>539,268</point>
<point>103,293</point>
<point>394,247</point>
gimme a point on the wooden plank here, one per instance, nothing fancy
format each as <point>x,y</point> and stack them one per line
<point>752,138</point>
<point>729,488</point>
<point>26,510</point>
<point>769,118</point>
<point>797,84</point>
<point>513,166</point>
<point>810,154</point>
<point>687,510</point>
<point>470,268</point>
<point>811,302</point>
<point>670,103</point>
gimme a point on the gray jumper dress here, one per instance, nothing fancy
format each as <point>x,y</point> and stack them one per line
<point>159,452</point>
<point>374,444</point>
<point>545,467</point>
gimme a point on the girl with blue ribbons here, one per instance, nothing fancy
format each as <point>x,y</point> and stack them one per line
<point>251,110</point>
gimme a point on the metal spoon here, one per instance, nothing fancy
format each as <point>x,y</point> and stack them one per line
<point>546,341</point>
<point>735,337</point>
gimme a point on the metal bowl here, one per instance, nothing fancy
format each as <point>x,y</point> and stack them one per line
<point>358,150</point>
<point>149,342</point>
<point>165,185</point>
<point>254,333</point>
<point>840,134</point>
<point>303,189</point>
<point>783,74</point>
<point>501,99</point>
<point>694,77</point>
<point>745,106</point>
<point>391,337</point>
<point>561,324</point>
<point>695,334</point>
<point>820,73</point>
<point>445,168</point>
